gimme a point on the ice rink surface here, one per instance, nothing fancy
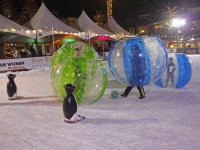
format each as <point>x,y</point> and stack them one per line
<point>167,119</point>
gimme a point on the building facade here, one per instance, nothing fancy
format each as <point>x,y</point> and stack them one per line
<point>28,11</point>
<point>7,9</point>
<point>182,38</point>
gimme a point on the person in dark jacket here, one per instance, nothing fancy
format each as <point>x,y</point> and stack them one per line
<point>23,53</point>
<point>170,71</point>
<point>32,50</point>
<point>138,72</point>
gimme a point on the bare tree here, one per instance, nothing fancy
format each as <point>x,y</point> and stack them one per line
<point>168,12</point>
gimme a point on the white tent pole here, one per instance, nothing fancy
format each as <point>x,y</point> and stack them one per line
<point>86,31</point>
<point>36,42</point>
<point>103,48</point>
<point>52,41</point>
<point>89,36</point>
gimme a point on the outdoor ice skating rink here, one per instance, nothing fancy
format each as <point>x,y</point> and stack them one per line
<point>167,119</point>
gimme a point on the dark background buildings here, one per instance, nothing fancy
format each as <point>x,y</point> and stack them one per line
<point>135,16</point>
<point>122,9</point>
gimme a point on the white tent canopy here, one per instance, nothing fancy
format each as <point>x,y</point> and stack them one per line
<point>85,24</point>
<point>113,27</point>
<point>12,28</point>
<point>45,20</point>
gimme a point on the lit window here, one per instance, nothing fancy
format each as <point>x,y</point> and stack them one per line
<point>31,12</point>
<point>7,12</point>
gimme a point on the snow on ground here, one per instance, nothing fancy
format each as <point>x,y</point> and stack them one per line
<point>168,119</point>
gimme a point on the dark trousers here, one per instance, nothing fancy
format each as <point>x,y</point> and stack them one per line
<point>140,89</point>
<point>170,75</point>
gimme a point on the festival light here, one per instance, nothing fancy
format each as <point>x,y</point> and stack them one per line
<point>178,22</point>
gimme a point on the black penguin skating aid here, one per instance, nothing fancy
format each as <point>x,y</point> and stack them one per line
<point>12,88</point>
<point>70,105</point>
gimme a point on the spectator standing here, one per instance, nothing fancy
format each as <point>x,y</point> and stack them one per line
<point>23,53</point>
<point>40,52</point>
<point>32,50</point>
<point>28,53</point>
<point>17,54</point>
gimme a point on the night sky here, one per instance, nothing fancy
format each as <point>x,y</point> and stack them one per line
<point>121,8</point>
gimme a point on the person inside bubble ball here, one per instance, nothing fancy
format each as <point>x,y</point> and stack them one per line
<point>138,74</point>
<point>79,73</point>
<point>77,53</point>
<point>170,71</point>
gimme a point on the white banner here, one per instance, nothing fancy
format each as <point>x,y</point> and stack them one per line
<point>41,62</point>
<point>15,64</point>
<point>25,63</point>
<point>29,63</point>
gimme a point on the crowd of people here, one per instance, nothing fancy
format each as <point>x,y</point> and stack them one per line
<point>27,52</point>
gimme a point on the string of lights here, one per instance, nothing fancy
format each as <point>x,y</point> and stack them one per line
<point>169,13</point>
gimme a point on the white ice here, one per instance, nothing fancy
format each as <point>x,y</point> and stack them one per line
<point>167,119</point>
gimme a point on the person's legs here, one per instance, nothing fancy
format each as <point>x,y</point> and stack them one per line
<point>127,91</point>
<point>141,91</point>
<point>172,79</point>
<point>167,80</point>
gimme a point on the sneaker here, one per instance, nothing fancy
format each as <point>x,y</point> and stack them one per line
<point>140,97</point>
<point>124,95</point>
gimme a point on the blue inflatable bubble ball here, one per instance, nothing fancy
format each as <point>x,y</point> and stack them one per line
<point>138,61</point>
<point>178,72</point>
<point>114,94</point>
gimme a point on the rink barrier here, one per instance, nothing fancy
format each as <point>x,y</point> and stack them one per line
<point>25,63</point>
<point>31,63</point>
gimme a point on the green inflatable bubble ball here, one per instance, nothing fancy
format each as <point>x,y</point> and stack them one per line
<point>74,49</point>
<point>77,64</point>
